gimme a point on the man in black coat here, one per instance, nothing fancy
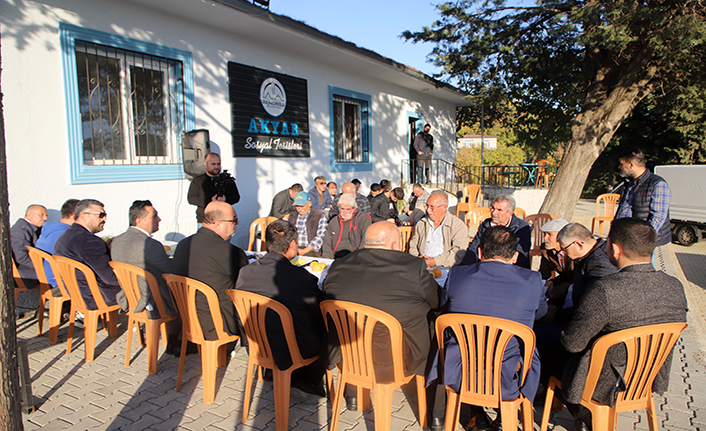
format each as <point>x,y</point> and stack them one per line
<point>283,202</point>
<point>207,256</point>
<point>275,277</point>
<point>212,186</point>
<point>23,233</point>
<point>636,295</point>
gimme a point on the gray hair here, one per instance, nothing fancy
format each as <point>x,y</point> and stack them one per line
<point>347,199</point>
<point>440,193</point>
<point>573,232</point>
<point>511,204</point>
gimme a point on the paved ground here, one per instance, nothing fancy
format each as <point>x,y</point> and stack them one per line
<point>105,395</point>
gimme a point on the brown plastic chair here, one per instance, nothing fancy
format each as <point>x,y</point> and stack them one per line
<point>406,233</point>
<point>213,352</point>
<point>482,341</point>
<point>470,195</point>
<point>647,349</point>
<point>354,324</point>
<point>67,269</point>
<point>475,218</point>
<point>610,201</point>
<point>252,309</point>
<point>536,221</point>
<point>56,304</point>
<point>129,278</point>
<point>520,213</point>
<point>262,222</point>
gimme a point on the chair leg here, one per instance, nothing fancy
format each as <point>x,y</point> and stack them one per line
<point>336,405</point>
<point>527,415</point>
<point>221,356</point>
<point>548,404</point>
<point>383,406</point>
<point>593,225</point>
<point>282,381</point>
<point>70,339</point>
<point>130,326</point>
<point>652,415</point>
<point>209,358</point>
<point>453,410</point>
<point>181,362</point>
<point>329,383</point>
<point>248,388</point>
<point>421,400</point>
<point>152,333</point>
<point>111,323</point>
<point>165,337</point>
<point>363,396</point>
<point>40,315</point>
<point>89,333</point>
<point>55,305</point>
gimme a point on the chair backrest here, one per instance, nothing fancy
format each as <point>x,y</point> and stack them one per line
<point>463,207</point>
<point>476,217</point>
<point>20,284</point>
<point>262,223</point>
<point>482,341</point>
<point>129,277</point>
<point>38,258</point>
<point>67,269</point>
<point>252,310</point>
<point>541,166</point>
<point>520,213</point>
<point>470,194</point>
<point>610,201</point>
<point>647,349</point>
<point>354,325</point>
<point>406,233</point>
<point>183,290</point>
<point>536,221</point>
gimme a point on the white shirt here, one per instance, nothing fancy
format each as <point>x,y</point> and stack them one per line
<point>435,239</point>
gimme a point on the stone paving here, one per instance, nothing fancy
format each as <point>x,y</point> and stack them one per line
<point>105,395</point>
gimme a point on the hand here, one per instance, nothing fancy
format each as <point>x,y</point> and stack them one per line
<point>429,260</point>
<point>420,153</point>
<point>305,250</point>
<point>216,198</point>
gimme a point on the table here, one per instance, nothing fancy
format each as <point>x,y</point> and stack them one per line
<point>321,275</point>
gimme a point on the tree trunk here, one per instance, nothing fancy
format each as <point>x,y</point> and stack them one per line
<point>10,407</point>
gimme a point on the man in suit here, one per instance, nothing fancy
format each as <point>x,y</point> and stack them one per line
<point>382,276</point>
<point>212,186</point>
<point>275,277</point>
<point>208,257</point>
<point>493,287</point>
<point>283,202</point>
<point>80,243</point>
<point>25,232</point>
<point>440,238</point>
<point>636,295</point>
<point>502,213</point>
<point>136,247</point>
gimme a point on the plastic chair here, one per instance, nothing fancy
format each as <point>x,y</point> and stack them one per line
<point>67,269</point>
<point>610,201</point>
<point>19,283</point>
<point>354,324</point>
<point>475,218</point>
<point>470,195</point>
<point>520,213</point>
<point>406,233</point>
<point>56,304</point>
<point>262,222</point>
<point>129,278</point>
<point>647,349</point>
<point>252,309</point>
<point>536,221</point>
<point>213,352</point>
<point>465,208</point>
<point>543,175</point>
<point>482,341</point>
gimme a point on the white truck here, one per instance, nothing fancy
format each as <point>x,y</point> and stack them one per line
<point>687,209</point>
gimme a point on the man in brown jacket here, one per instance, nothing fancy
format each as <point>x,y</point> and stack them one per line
<point>439,237</point>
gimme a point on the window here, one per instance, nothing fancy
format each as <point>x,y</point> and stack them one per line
<point>128,103</point>
<point>350,131</point>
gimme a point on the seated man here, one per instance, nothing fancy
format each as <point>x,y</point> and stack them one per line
<point>80,242</point>
<point>439,237</point>
<point>502,214</point>
<point>363,205</point>
<point>493,287</point>
<point>383,277</point>
<point>50,233</point>
<point>283,202</point>
<point>137,247</point>
<point>310,223</point>
<point>346,231</point>
<point>319,194</point>
<point>555,261</point>
<point>416,205</point>
<point>332,188</point>
<point>375,189</point>
<point>384,206</point>
<point>275,277</point>
<point>25,232</point>
<point>636,295</point>
<point>208,257</point>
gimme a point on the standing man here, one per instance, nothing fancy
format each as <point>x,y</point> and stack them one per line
<point>439,237</point>
<point>424,146</point>
<point>283,202</point>
<point>50,233</point>
<point>25,232</point>
<point>320,196</point>
<point>208,257</point>
<point>310,223</point>
<point>646,196</point>
<point>212,186</point>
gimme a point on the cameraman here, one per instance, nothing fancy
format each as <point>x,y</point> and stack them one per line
<point>214,185</point>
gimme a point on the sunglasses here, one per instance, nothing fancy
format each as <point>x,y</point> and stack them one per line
<point>100,215</point>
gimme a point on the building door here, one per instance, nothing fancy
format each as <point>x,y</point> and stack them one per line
<point>414,126</point>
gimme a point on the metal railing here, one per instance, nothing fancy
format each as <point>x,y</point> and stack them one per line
<point>442,174</point>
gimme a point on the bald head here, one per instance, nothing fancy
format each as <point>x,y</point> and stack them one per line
<point>36,214</point>
<point>384,235</point>
<point>348,188</point>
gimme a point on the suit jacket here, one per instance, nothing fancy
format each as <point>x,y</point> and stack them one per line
<point>79,244</point>
<point>455,240</point>
<point>594,266</point>
<point>208,258</point>
<point>398,284</point>
<point>637,295</point>
<point>136,248</point>
<point>500,290</point>
<point>282,204</point>
<point>24,233</point>
<point>297,289</point>
<point>519,227</point>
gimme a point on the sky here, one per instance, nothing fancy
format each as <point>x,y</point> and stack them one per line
<point>372,24</point>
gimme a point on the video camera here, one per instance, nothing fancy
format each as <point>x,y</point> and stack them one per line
<point>223,180</point>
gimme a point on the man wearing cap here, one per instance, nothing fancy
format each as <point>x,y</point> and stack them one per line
<point>554,259</point>
<point>310,223</point>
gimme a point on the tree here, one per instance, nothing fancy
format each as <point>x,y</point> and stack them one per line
<point>594,59</point>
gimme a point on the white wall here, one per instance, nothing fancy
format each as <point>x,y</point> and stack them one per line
<point>35,120</point>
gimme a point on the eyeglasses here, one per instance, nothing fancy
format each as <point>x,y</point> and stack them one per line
<point>235,220</point>
<point>567,247</point>
<point>343,209</point>
<point>435,207</point>
<point>100,215</point>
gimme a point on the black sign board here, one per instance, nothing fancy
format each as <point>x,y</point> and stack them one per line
<point>270,113</point>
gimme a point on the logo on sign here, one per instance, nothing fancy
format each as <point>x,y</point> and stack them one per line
<point>273,97</point>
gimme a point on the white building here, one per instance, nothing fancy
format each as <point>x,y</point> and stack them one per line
<point>473,141</point>
<point>97,94</point>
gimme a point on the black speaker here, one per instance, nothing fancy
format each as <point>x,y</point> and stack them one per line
<point>195,144</point>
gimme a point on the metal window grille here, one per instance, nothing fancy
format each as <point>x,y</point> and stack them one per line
<point>350,117</point>
<point>131,106</point>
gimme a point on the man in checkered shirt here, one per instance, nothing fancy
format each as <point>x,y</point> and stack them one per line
<point>311,225</point>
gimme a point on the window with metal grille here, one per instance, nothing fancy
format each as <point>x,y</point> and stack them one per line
<point>130,106</point>
<point>350,131</point>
